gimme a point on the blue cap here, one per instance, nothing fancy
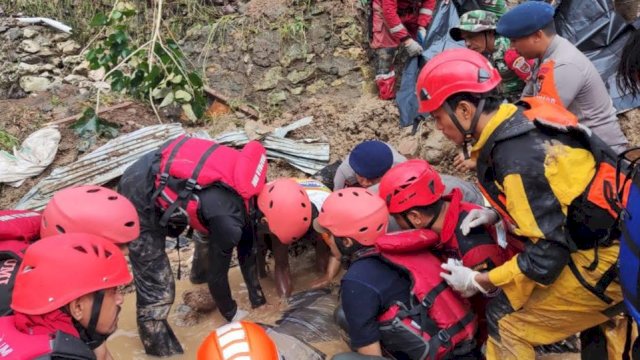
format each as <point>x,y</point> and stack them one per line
<point>525,19</point>
<point>371,159</point>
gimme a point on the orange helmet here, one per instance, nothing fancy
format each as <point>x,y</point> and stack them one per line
<point>93,210</point>
<point>287,208</point>
<point>238,340</point>
<point>354,213</point>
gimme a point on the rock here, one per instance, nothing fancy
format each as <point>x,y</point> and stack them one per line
<point>30,46</point>
<point>409,147</point>
<point>298,76</point>
<point>337,65</point>
<point>60,37</point>
<point>344,21</point>
<point>82,69</point>
<point>316,86</point>
<point>293,53</point>
<point>34,83</point>
<point>13,34</point>
<point>29,33</point>
<point>74,79</point>
<point>266,48</point>
<point>297,91</point>
<point>199,300</point>
<point>186,316</point>
<point>44,41</point>
<point>3,28</point>
<point>228,9</point>
<point>270,79</point>
<point>72,60</point>
<point>96,75</point>
<point>350,36</point>
<point>26,68</point>
<point>46,52</point>
<point>46,107</point>
<point>277,97</point>
<point>68,47</point>
<point>337,82</point>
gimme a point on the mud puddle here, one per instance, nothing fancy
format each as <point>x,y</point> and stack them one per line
<point>125,342</point>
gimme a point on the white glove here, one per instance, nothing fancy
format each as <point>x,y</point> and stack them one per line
<point>413,48</point>
<point>422,35</point>
<point>477,217</point>
<point>461,278</point>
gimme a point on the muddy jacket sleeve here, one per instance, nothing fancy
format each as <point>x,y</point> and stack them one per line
<point>392,20</point>
<point>530,184</point>
<point>426,13</point>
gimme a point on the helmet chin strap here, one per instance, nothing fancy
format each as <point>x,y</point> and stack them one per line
<point>467,133</point>
<point>438,208</point>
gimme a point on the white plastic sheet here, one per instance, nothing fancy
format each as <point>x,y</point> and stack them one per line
<point>34,155</point>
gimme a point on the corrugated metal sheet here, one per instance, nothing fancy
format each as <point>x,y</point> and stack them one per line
<point>102,165</point>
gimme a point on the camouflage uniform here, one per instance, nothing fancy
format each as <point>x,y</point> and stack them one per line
<point>478,21</point>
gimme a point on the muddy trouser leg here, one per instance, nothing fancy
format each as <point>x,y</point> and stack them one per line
<point>552,313</point>
<point>155,287</point>
<point>155,292</point>
<point>247,258</point>
<point>218,280</point>
<point>200,265</point>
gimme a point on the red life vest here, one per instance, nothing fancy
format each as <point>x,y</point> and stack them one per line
<point>18,228</point>
<point>191,164</point>
<point>437,316</point>
<point>17,345</point>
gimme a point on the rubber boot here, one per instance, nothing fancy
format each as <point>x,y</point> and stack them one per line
<point>386,85</point>
<point>249,270</point>
<point>200,265</point>
<point>158,338</point>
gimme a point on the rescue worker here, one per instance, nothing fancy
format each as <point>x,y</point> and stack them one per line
<point>397,23</point>
<point>416,198</point>
<point>213,189</point>
<point>287,208</point>
<point>391,294</point>
<point>563,280</point>
<point>477,29</point>
<point>87,209</point>
<point>235,340</point>
<point>66,287</point>
<point>563,75</point>
<point>370,160</point>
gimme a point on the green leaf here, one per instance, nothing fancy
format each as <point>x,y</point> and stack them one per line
<point>188,111</point>
<point>154,77</point>
<point>183,96</point>
<point>168,100</point>
<point>128,12</point>
<point>116,15</point>
<point>199,105</point>
<point>99,19</point>
<point>195,79</point>
<point>90,126</point>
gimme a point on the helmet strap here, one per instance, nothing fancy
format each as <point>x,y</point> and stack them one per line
<point>98,297</point>
<point>467,133</point>
<point>437,208</point>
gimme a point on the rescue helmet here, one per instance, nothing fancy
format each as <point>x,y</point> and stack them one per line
<point>353,213</point>
<point>451,72</point>
<point>410,184</point>
<point>238,340</point>
<point>61,268</point>
<point>287,208</point>
<point>91,209</point>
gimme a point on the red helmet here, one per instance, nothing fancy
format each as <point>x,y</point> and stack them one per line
<point>91,209</point>
<point>61,268</point>
<point>354,213</point>
<point>409,184</point>
<point>287,208</point>
<point>238,340</point>
<point>451,72</point>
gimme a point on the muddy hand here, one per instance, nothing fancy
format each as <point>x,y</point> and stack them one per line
<point>463,165</point>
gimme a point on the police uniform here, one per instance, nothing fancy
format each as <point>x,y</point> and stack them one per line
<point>565,75</point>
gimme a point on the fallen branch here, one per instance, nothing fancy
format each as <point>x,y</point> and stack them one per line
<point>245,109</point>
<point>78,116</point>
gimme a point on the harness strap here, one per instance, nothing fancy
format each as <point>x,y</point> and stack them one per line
<point>597,292</point>
<point>444,336</point>
<point>192,183</point>
<point>98,297</point>
<point>607,278</point>
<point>164,174</point>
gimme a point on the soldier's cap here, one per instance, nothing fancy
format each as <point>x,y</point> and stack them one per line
<point>525,19</point>
<point>474,21</point>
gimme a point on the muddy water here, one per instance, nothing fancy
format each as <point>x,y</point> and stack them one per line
<point>125,343</point>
